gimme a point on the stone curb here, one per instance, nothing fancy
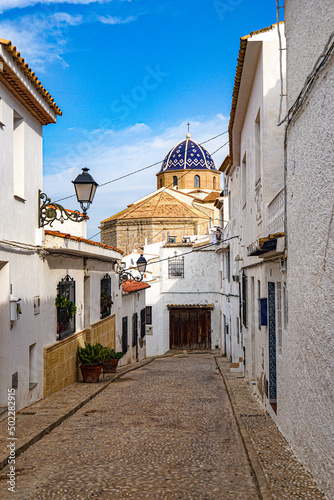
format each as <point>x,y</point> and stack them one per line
<point>262,483</point>
<point>29,442</point>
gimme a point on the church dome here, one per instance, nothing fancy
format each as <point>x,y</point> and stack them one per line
<point>188,155</point>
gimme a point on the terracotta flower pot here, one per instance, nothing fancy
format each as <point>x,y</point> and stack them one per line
<point>110,366</point>
<point>90,374</point>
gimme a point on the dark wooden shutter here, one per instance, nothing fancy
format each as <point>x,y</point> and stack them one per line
<point>142,323</point>
<point>125,334</point>
<point>134,330</point>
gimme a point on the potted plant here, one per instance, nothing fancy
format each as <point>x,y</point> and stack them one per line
<point>110,361</point>
<point>91,358</point>
<point>66,311</point>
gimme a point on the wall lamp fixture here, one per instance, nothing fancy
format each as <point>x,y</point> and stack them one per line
<point>126,275</point>
<point>85,188</point>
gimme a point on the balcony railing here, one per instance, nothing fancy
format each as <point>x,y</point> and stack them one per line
<point>276,213</point>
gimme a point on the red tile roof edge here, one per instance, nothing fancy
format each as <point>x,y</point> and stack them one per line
<point>134,286</point>
<point>68,236</point>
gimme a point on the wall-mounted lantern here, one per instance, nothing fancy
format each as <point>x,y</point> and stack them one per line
<point>126,275</point>
<point>85,188</point>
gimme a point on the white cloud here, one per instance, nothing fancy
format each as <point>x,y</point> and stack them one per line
<point>116,20</point>
<point>44,4</point>
<point>111,154</point>
<point>40,39</point>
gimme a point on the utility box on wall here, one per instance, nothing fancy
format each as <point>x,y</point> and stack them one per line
<point>15,308</point>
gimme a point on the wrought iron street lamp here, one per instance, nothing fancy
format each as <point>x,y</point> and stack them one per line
<point>49,211</point>
<point>126,275</point>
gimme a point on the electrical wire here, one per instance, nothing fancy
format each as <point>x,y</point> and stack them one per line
<point>149,197</point>
<point>190,251</point>
<point>141,169</point>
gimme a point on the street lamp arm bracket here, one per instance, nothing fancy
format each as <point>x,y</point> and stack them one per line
<point>50,211</point>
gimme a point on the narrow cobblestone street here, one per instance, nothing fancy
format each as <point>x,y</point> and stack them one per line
<point>165,431</point>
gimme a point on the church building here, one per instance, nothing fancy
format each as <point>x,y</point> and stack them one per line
<point>182,206</point>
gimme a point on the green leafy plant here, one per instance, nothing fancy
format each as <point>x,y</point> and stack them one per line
<point>91,354</point>
<point>111,354</point>
<point>63,303</point>
<point>106,300</point>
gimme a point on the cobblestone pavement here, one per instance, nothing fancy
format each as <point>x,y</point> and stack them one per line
<point>286,477</point>
<point>165,431</point>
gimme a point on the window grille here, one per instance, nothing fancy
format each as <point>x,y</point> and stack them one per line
<point>279,317</point>
<point>176,267</point>
<point>125,334</point>
<point>175,181</point>
<point>105,300</point>
<point>66,323</point>
<point>142,323</point>
<point>244,300</point>
<point>149,315</point>
<point>134,329</point>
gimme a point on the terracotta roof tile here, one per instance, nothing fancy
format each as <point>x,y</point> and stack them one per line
<point>134,286</point>
<point>68,236</point>
<point>212,196</point>
<point>11,49</point>
<point>161,205</point>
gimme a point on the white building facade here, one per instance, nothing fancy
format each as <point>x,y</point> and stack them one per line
<point>25,107</point>
<point>182,302</point>
<point>306,394</point>
<point>253,283</point>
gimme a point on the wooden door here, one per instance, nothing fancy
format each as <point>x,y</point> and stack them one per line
<point>190,328</point>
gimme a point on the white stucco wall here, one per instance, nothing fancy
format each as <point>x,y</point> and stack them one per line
<point>306,413</point>
<point>131,303</point>
<point>20,266</point>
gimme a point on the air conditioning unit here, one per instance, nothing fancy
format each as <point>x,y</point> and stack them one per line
<point>149,329</point>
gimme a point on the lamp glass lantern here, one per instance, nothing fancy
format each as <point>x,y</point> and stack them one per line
<point>141,264</point>
<point>85,188</point>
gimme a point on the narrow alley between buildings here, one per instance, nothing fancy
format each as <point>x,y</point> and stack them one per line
<point>164,431</point>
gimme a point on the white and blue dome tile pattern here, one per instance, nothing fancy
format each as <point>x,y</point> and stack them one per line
<point>188,155</point>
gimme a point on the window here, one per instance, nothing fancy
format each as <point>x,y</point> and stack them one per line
<point>105,301</point>
<point>142,323</point>
<point>66,308</point>
<point>32,366</point>
<point>134,329</point>
<point>244,182</point>
<point>18,155</point>
<point>197,181</point>
<point>238,330</point>
<point>149,315</point>
<point>160,183</point>
<point>228,266</point>
<point>125,334</point>
<point>214,183</point>
<point>176,267</point>
<point>175,180</point>
<point>279,317</point>
<point>285,305</point>
<point>257,133</point>
<point>244,300</point>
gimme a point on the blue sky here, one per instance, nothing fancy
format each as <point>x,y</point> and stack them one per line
<point>128,76</point>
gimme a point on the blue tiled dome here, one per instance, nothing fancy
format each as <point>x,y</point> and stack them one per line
<point>188,155</point>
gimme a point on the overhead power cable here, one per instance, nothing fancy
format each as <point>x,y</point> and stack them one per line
<point>163,189</point>
<point>141,169</point>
